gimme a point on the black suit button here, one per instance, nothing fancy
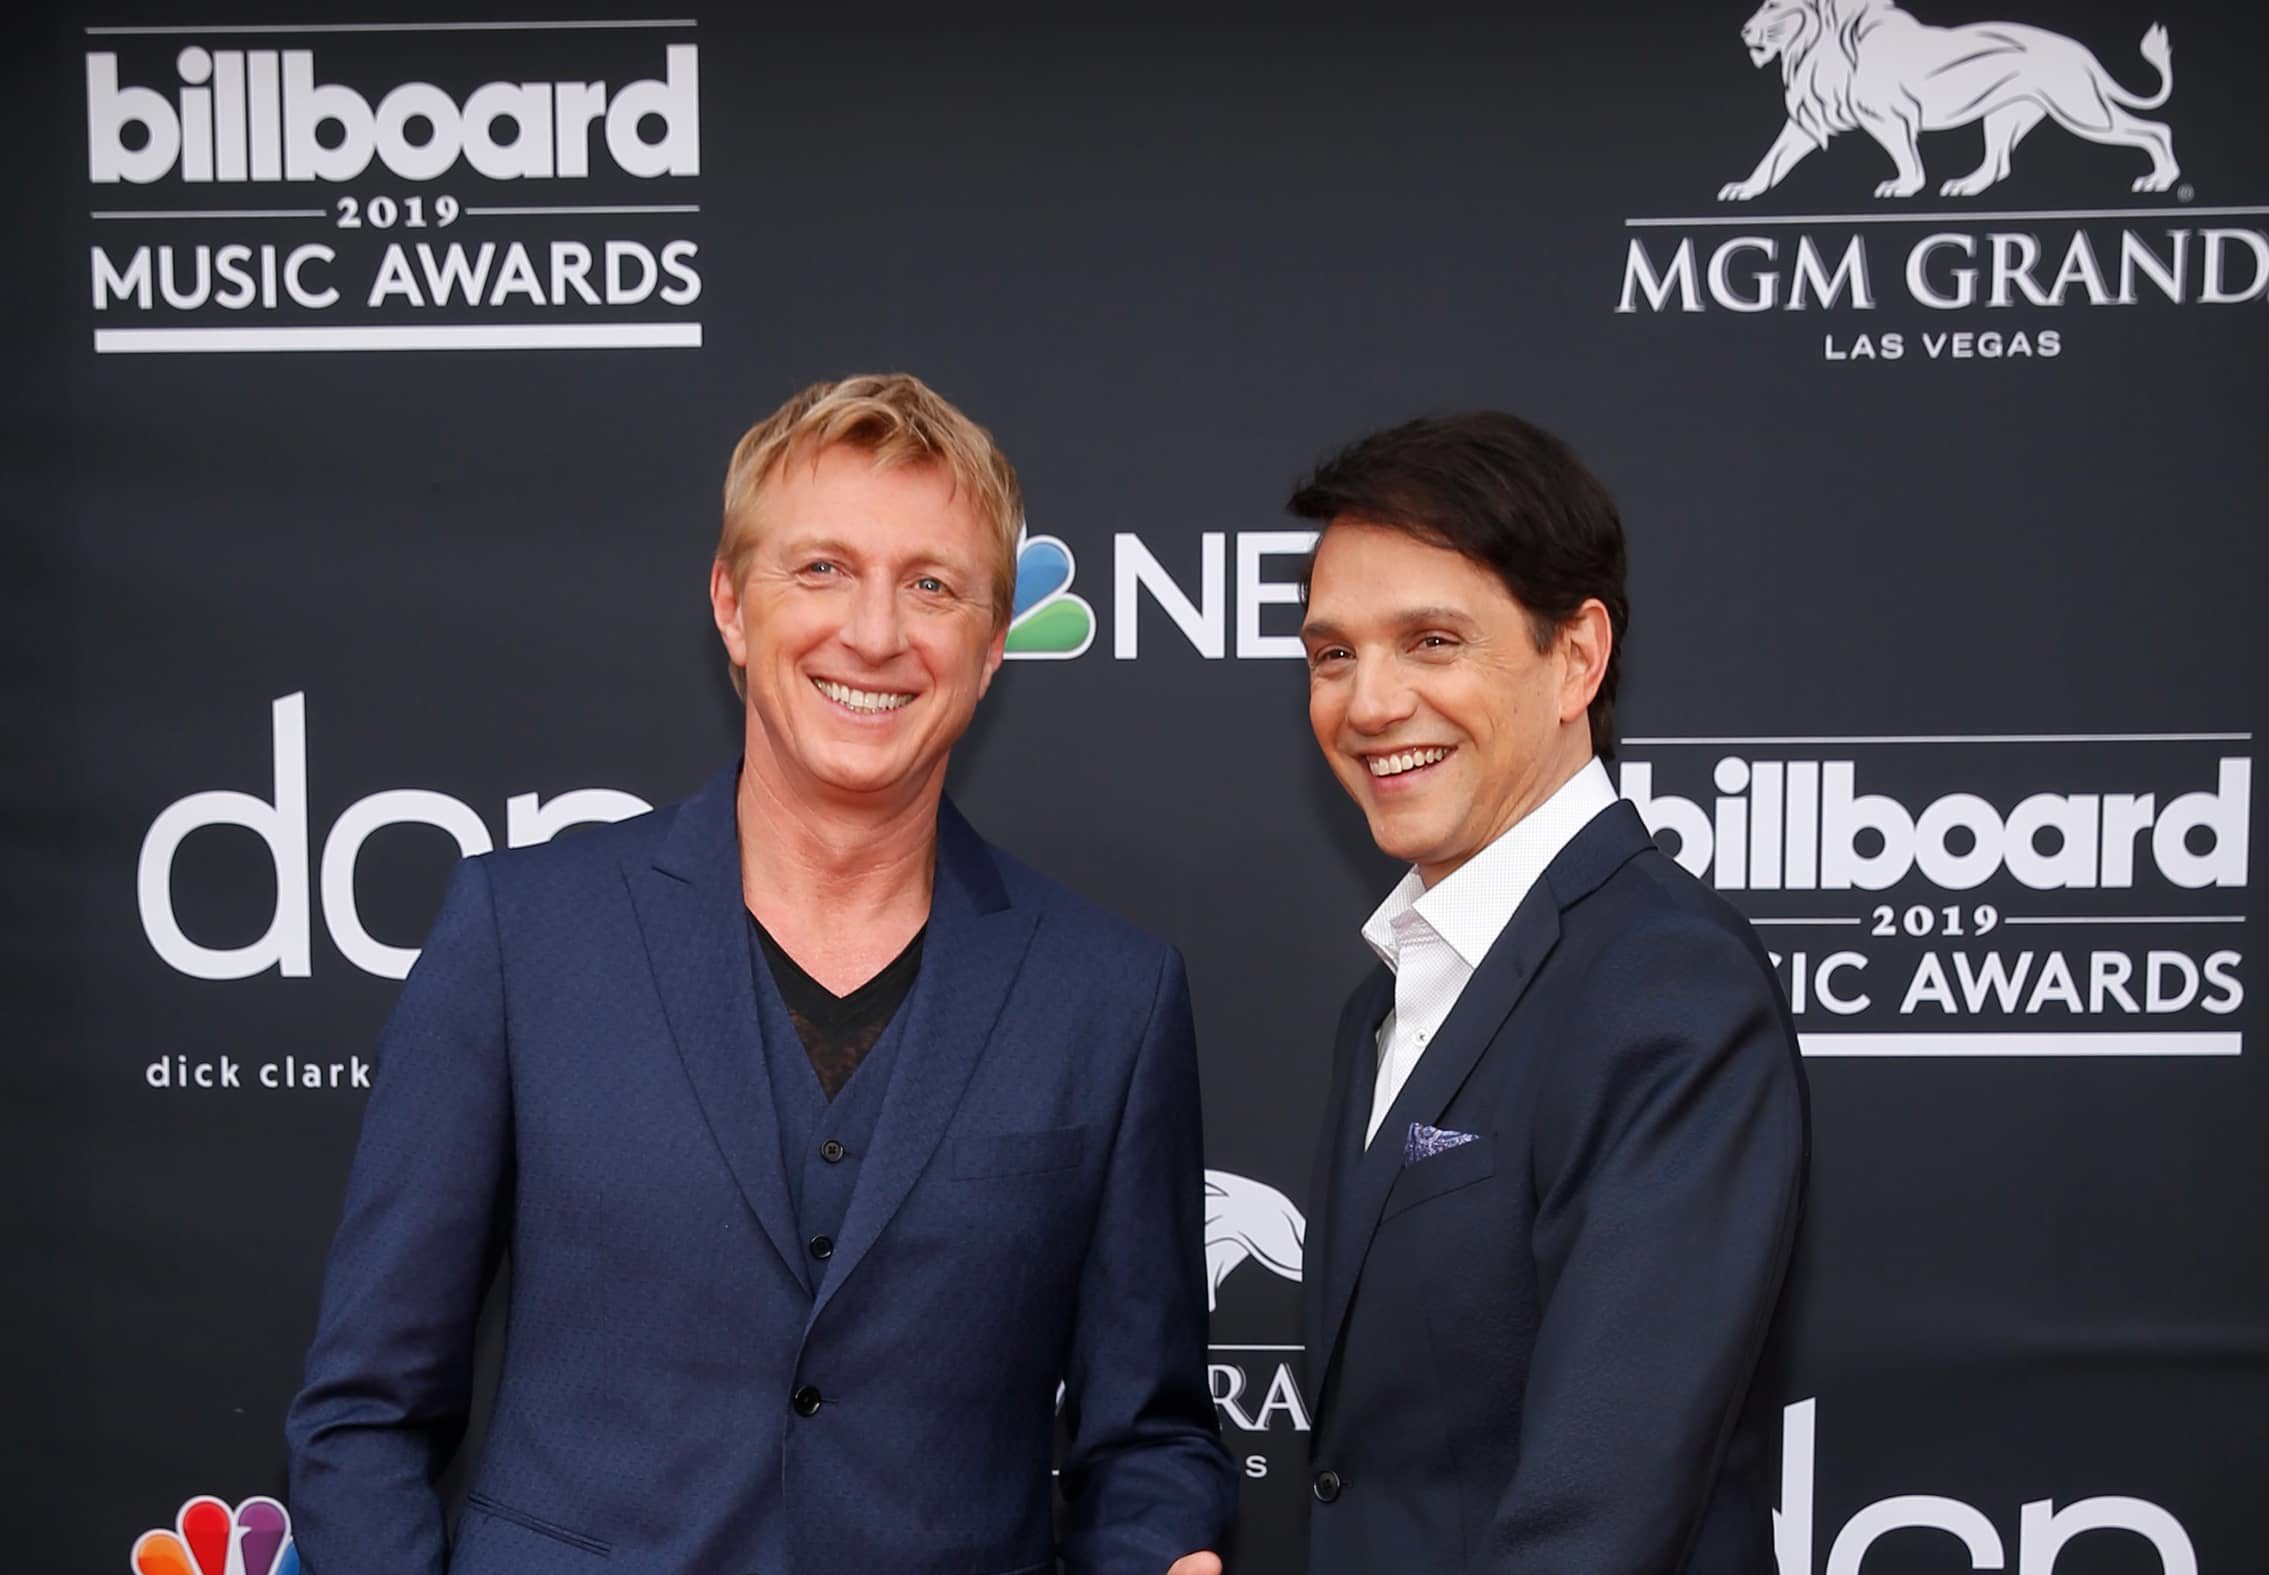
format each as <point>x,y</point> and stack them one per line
<point>823,1246</point>
<point>806,1401</point>
<point>832,1151</point>
<point>1327,1485</point>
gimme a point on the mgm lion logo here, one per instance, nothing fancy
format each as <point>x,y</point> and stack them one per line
<point>1867,65</point>
<point>1247,1219</point>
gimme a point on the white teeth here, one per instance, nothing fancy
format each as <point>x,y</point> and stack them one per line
<point>859,699</point>
<point>1408,760</point>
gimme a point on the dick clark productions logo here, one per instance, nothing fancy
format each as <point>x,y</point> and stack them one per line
<point>209,1538</point>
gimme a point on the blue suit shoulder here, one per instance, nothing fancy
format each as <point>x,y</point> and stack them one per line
<point>570,864</point>
<point>1078,924</point>
<point>1653,898</point>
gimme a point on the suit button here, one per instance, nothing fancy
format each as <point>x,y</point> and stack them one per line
<point>806,1401</point>
<point>832,1151</point>
<point>823,1246</point>
<point>1327,1485</point>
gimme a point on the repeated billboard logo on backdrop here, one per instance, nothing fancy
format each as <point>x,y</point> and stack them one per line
<point>2048,895</point>
<point>2043,1531</point>
<point>1253,1370</point>
<point>1249,1221</point>
<point>393,187</point>
<point>1251,617</point>
<point>1047,622</point>
<point>1897,78</point>
<point>209,1538</point>
<point>1863,84</point>
<point>280,817</point>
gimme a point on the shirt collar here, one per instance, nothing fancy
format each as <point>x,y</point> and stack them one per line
<point>1471,908</point>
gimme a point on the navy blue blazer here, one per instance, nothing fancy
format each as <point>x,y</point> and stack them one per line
<point>574,1076</point>
<point>1536,1353</point>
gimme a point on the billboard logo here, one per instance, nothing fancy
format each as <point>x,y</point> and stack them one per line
<point>208,1538</point>
<point>263,115</point>
<point>1803,825</point>
<point>1871,66</point>
<point>403,194</point>
<point>2021,894</point>
<point>1248,1221</point>
<point>1046,621</point>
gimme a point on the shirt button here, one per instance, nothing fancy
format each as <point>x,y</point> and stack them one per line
<point>806,1401</point>
<point>823,1246</point>
<point>832,1151</point>
<point>1327,1486</point>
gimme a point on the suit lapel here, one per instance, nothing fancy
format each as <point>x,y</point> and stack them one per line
<point>695,922</point>
<point>970,957</point>
<point>1354,1073</point>
<point>1475,1024</point>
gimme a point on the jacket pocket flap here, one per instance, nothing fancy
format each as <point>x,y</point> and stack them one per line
<point>1019,1153</point>
<point>1447,1171</point>
<point>481,1503</point>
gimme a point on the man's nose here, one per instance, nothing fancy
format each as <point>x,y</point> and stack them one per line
<point>1380,699</point>
<point>876,628</point>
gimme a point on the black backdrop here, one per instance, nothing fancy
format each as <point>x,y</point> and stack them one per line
<point>1171,256</point>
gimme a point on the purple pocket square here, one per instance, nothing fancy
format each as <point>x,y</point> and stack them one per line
<point>1425,1142</point>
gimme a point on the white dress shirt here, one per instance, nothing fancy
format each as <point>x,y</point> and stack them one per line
<point>1433,939</point>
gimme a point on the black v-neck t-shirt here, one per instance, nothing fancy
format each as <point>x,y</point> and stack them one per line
<point>839,1030</point>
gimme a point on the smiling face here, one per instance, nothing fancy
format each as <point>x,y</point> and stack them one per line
<point>866,625</point>
<point>1430,699</point>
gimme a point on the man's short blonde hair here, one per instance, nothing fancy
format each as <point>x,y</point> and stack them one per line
<point>898,420</point>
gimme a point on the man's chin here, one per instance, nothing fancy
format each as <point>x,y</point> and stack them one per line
<point>1401,840</point>
<point>845,772</point>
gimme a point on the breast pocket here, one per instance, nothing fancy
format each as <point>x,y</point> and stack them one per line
<point>1450,1171</point>
<point>1018,1153</point>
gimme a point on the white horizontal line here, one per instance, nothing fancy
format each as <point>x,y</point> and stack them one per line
<point>1803,921</point>
<point>209,213</point>
<point>1757,220</point>
<point>2022,1044</point>
<point>631,207</point>
<point>1256,1348</point>
<point>453,336</point>
<point>390,27</point>
<point>1964,738</point>
<point>2145,918</point>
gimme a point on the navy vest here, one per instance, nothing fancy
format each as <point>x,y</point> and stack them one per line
<point>822,1141</point>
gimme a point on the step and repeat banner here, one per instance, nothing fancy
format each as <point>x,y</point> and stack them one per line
<point>375,373</point>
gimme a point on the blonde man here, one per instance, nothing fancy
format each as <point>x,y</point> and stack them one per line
<point>825,1138</point>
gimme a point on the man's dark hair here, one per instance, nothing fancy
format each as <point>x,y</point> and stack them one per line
<point>1509,496</point>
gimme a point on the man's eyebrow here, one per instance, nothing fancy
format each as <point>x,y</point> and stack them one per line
<point>800,546</point>
<point>1409,618</point>
<point>1416,616</point>
<point>820,544</point>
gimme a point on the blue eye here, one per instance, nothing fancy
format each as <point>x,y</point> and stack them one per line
<point>930,583</point>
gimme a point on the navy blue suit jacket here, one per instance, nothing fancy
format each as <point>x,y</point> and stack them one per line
<point>1537,1353</point>
<point>574,1076</point>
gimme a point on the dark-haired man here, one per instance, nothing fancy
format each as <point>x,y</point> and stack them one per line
<point>1563,1159</point>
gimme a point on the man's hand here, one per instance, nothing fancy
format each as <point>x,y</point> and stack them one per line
<point>1196,1564</point>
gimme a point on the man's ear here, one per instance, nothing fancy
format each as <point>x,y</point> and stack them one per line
<point>725,609</point>
<point>993,656</point>
<point>1586,641</point>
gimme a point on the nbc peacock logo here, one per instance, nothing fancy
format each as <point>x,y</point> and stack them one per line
<point>1046,621</point>
<point>209,1538</point>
